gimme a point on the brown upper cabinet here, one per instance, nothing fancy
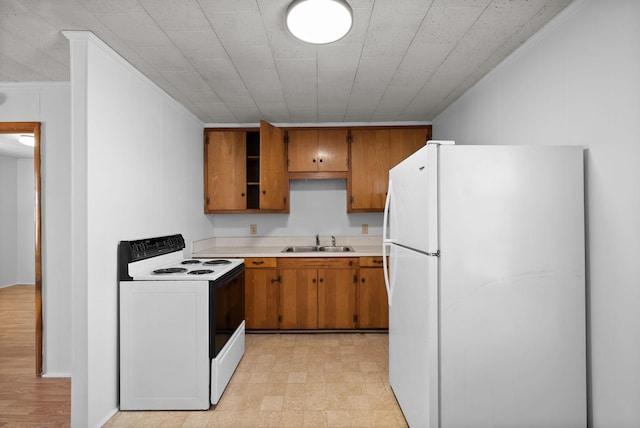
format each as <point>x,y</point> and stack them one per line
<point>369,163</point>
<point>274,183</point>
<point>245,170</point>
<point>225,158</point>
<point>374,151</point>
<point>318,151</point>
<point>403,142</point>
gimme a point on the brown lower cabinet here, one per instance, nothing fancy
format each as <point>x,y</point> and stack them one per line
<point>337,298</point>
<point>311,293</point>
<point>261,294</point>
<point>373,309</point>
<point>298,299</point>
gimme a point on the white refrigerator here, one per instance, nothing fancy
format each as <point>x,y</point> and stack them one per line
<point>486,286</point>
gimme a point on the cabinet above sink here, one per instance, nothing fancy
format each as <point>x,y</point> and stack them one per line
<point>317,153</point>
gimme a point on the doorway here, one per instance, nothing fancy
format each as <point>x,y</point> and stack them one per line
<point>33,128</point>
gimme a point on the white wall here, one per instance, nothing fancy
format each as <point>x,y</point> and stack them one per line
<point>48,103</point>
<point>8,221</point>
<point>578,82</point>
<point>316,207</point>
<point>25,227</point>
<point>17,238</point>
<point>136,172</point>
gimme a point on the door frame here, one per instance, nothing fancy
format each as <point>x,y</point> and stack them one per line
<point>34,128</point>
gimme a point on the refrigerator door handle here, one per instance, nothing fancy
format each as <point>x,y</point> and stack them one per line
<point>385,215</point>
<point>386,242</point>
<point>385,271</point>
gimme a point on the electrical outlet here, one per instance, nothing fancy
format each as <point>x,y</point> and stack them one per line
<point>365,228</point>
<point>253,229</point>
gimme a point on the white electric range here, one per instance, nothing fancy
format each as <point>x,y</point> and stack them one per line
<point>181,325</point>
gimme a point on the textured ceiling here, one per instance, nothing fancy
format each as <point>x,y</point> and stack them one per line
<point>233,61</point>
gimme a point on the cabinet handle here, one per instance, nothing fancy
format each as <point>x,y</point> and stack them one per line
<point>314,161</point>
<point>321,280</point>
<point>378,261</point>
<point>264,192</point>
<point>258,262</point>
<point>320,160</point>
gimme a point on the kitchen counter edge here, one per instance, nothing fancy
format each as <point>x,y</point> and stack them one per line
<point>243,252</point>
<point>272,246</point>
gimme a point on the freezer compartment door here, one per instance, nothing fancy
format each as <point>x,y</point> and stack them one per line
<point>413,336</point>
<point>412,210</point>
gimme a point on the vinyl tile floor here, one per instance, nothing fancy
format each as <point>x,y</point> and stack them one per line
<point>297,380</point>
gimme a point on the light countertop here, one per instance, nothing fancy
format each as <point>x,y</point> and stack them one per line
<point>272,246</point>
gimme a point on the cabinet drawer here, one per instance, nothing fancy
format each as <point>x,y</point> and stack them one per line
<point>317,262</point>
<point>259,262</point>
<point>371,261</point>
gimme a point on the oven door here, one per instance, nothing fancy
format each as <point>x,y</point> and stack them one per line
<point>227,302</point>
<point>226,337</point>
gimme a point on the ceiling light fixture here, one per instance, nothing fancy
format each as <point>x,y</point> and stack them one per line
<point>319,21</point>
<point>27,140</point>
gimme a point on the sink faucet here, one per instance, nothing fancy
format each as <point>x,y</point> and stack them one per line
<point>317,240</point>
<point>333,241</point>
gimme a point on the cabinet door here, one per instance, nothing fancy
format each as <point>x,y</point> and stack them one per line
<point>225,171</point>
<point>321,150</point>
<point>274,182</point>
<point>337,298</point>
<point>298,299</point>
<point>333,150</point>
<point>369,169</point>
<point>373,311</point>
<point>302,150</point>
<point>261,298</point>
<point>404,142</point>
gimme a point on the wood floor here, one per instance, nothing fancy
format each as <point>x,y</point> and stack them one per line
<point>26,400</point>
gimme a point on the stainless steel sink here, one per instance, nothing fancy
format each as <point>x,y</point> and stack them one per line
<point>300,249</point>
<point>335,249</point>
<point>313,249</point>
